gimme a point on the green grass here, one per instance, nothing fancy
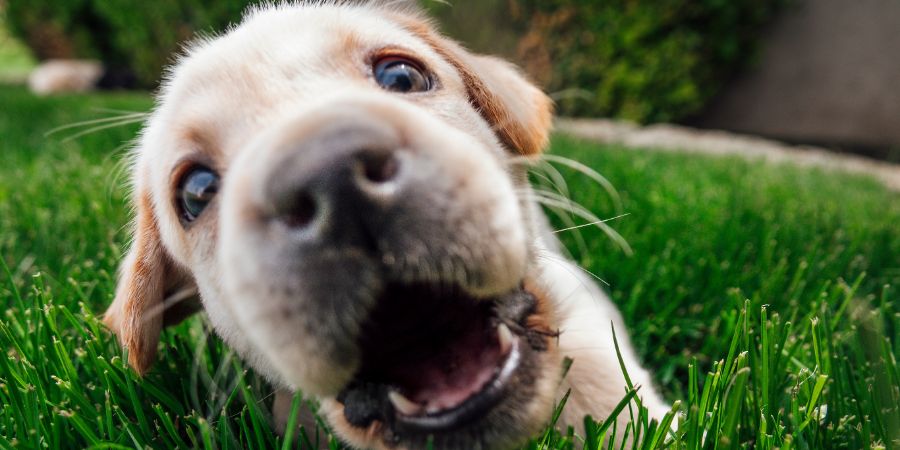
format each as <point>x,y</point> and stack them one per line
<point>763,297</point>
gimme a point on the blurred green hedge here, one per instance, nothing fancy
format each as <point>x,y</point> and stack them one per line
<point>134,34</point>
<point>56,29</point>
<point>643,60</point>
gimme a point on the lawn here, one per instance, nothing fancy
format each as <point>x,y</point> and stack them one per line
<point>765,298</point>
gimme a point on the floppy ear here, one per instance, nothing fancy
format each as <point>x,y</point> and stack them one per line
<point>152,292</point>
<point>520,113</point>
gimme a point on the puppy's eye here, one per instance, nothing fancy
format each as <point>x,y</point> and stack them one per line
<point>400,75</point>
<point>195,190</point>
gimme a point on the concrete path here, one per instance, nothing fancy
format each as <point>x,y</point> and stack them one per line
<point>689,140</point>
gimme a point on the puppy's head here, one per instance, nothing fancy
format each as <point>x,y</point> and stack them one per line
<point>344,188</point>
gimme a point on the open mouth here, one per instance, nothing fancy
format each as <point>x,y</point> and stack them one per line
<point>434,359</point>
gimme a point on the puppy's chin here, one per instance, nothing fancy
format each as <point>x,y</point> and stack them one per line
<point>440,367</point>
<point>511,424</point>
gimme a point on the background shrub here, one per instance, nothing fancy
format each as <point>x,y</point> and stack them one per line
<point>148,33</point>
<point>57,29</point>
<point>137,35</point>
<point>643,60</point>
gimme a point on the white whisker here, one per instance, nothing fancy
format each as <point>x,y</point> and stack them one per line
<point>101,128</point>
<point>119,111</point>
<point>131,116</point>
<point>564,215</point>
<point>579,266</point>
<point>591,173</point>
<point>592,223</point>
<point>580,211</point>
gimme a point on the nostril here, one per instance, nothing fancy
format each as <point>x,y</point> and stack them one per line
<point>301,212</point>
<point>379,167</point>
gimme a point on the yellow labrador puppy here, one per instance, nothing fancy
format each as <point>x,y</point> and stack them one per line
<point>345,189</point>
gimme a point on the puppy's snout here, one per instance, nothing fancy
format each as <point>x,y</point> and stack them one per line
<point>335,186</point>
<point>361,179</point>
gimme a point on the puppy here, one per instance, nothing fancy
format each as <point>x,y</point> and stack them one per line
<point>346,190</point>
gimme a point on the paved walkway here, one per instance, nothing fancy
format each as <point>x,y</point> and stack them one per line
<point>689,140</point>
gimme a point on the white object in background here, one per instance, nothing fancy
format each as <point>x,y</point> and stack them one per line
<point>56,76</point>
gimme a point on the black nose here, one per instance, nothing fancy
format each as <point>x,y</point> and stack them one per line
<point>336,188</point>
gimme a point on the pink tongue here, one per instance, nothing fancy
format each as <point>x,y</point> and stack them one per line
<point>451,377</point>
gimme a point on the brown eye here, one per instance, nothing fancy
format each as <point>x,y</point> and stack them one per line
<point>397,74</point>
<point>195,190</point>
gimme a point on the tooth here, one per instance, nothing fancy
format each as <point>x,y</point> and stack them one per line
<point>506,338</point>
<point>404,405</point>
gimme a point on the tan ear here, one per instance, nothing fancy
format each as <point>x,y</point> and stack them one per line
<point>151,293</point>
<point>520,113</point>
